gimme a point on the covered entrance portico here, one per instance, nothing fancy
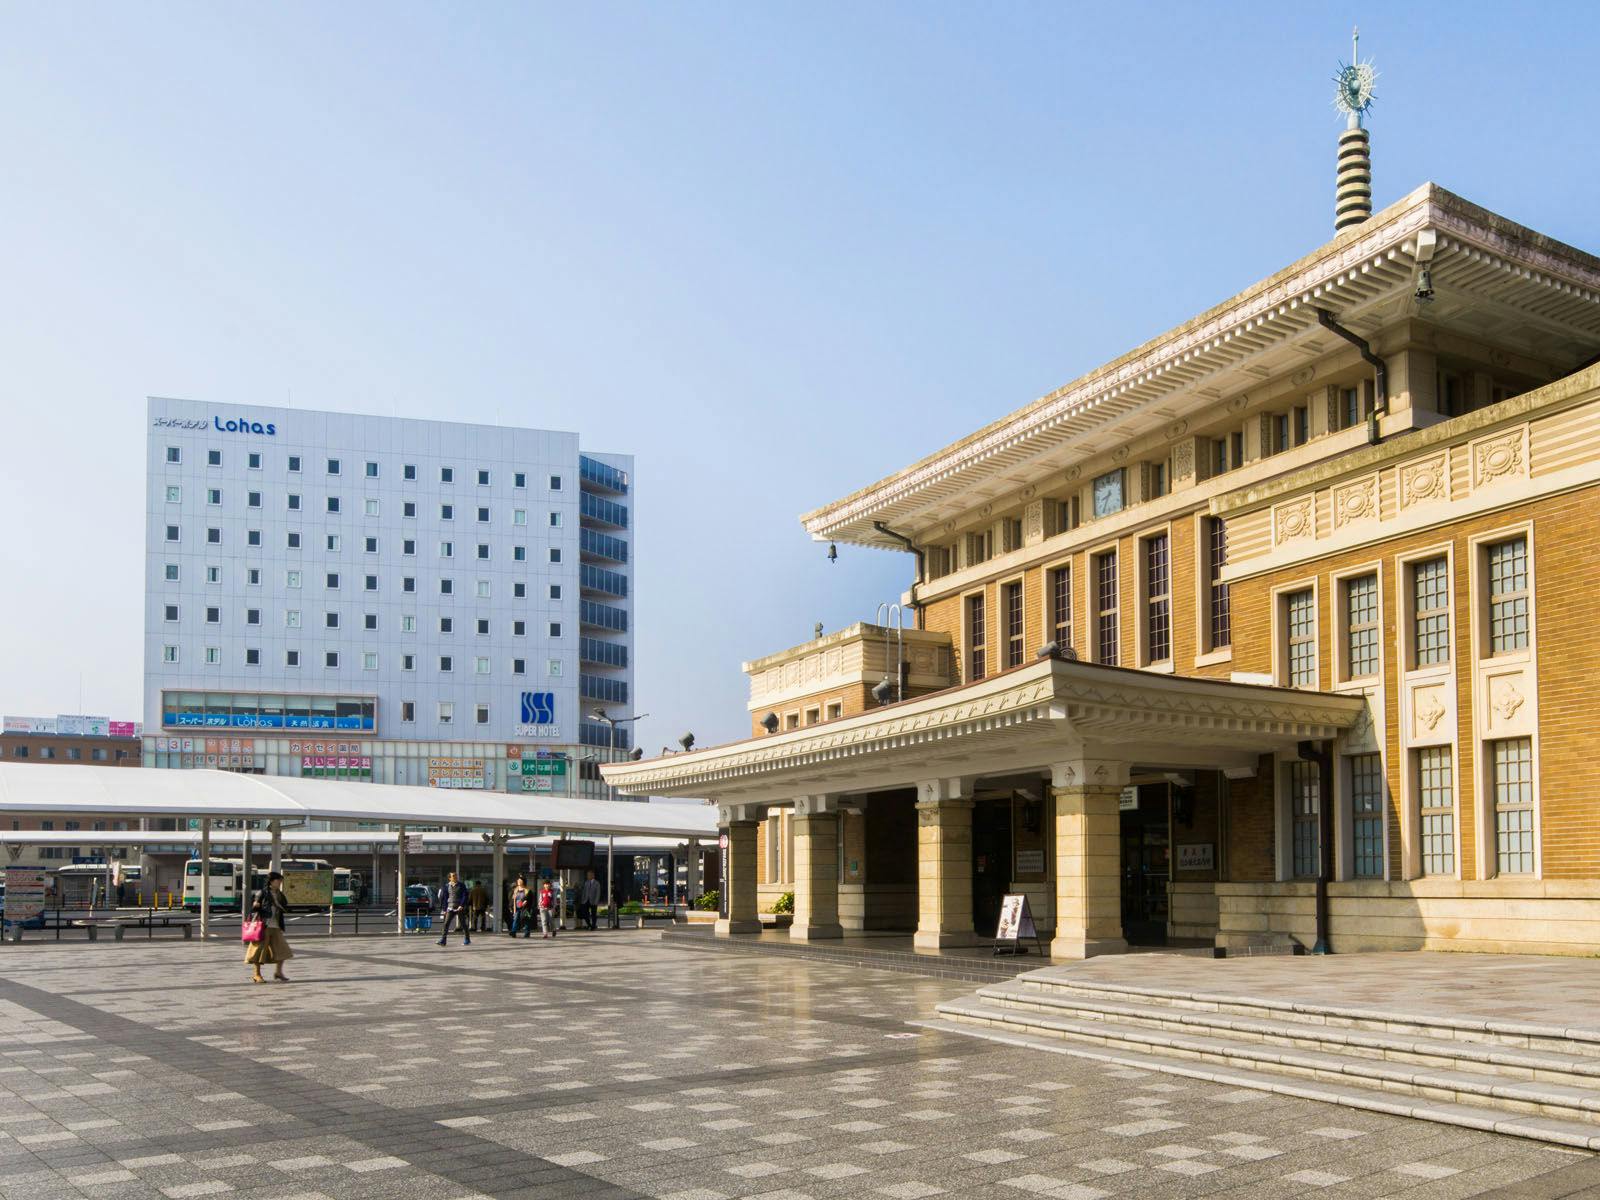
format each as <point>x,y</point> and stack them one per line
<point>1016,783</point>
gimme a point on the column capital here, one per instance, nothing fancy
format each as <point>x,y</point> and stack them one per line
<point>816,804</point>
<point>1089,772</point>
<point>738,814</point>
<point>945,789</point>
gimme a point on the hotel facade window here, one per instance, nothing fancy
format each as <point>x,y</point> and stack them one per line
<point>1219,613</point>
<point>1508,595</point>
<point>976,648</point>
<point>1158,598</point>
<point>1511,783</point>
<point>1305,784</point>
<point>1107,630</point>
<point>1436,806</point>
<point>1366,815</point>
<point>1361,626</point>
<point>1014,639</point>
<point>1300,624</point>
<point>1430,612</point>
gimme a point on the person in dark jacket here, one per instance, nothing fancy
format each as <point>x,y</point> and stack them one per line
<point>453,903</point>
<point>269,907</point>
<point>478,898</point>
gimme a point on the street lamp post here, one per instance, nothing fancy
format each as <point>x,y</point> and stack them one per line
<point>601,714</point>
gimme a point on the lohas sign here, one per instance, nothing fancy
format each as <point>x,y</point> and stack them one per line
<point>538,716</point>
<point>231,425</point>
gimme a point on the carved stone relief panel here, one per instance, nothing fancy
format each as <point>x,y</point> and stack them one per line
<point>1033,523</point>
<point>1355,502</point>
<point>1506,710</point>
<point>1294,520</point>
<point>1183,461</point>
<point>1425,481</point>
<point>1432,709</point>
<point>1503,456</point>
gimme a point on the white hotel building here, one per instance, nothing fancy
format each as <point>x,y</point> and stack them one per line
<point>377,598</point>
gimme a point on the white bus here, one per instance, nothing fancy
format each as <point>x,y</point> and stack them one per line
<point>225,881</point>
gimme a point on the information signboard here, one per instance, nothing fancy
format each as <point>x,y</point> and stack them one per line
<point>1197,856</point>
<point>1016,923</point>
<point>24,893</point>
<point>308,889</point>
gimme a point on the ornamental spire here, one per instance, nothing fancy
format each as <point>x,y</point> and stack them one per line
<point>1353,188</point>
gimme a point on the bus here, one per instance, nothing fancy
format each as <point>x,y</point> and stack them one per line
<point>225,881</point>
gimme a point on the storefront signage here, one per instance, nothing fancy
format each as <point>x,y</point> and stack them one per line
<point>24,892</point>
<point>1030,862</point>
<point>1016,923</point>
<point>722,877</point>
<point>538,716</point>
<point>1198,856</point>
<point>77,725</point>
<point>413,843</point>
<point>124,729</point>
<point>222,720</point>
<point>456,773</point>
<point>231,425</point>
<point>1128,801</point>
<point>538,783</point>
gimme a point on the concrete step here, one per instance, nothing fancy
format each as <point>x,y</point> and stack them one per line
<point>1579,1134</point>
<point>1283,1029</point>
<point>1525,1097</point>
<point>1568,1041</point>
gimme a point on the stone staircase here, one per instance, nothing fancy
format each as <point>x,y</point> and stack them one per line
<point>1533,1081</point>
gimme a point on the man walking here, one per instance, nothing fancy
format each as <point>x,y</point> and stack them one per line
<point>453,903</point>
<point>590,901</point>
<point>479,897</point>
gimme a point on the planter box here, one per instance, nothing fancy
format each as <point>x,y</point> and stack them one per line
<point>696,917</point>
<point>776,920</point>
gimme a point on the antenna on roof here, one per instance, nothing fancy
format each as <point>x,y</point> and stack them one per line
<point>1352,203</point>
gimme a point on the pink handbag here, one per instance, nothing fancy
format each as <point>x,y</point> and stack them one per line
<point>250,931</point>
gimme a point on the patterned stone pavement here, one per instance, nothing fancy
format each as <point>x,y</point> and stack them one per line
<point>609,1065</point>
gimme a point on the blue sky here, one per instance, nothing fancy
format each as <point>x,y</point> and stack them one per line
<point>776,251</point>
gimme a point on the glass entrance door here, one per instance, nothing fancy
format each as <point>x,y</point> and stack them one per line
<point>1146,866</point>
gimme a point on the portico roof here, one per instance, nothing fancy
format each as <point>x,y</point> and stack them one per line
<point>1488,274</point>
<point>1026,718</point>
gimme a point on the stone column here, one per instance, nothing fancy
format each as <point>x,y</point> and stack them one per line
<point>1088,858</point>
<point>740,884</point>
<point>944,865</point>
<point>816,869</point>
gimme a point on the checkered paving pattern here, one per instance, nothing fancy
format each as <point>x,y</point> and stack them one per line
<point>611,1066</point>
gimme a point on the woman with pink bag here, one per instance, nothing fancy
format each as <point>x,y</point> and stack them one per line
<point>262,932</point>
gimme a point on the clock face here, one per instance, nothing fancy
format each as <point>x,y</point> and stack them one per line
<point>1108,494</point>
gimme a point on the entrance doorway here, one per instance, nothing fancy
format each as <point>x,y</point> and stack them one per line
<point>991,862</point>
<point>1146,864</point>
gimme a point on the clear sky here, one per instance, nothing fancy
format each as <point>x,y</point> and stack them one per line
<point>775,250</point>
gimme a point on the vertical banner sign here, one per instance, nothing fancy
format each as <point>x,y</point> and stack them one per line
<point>722,877</point>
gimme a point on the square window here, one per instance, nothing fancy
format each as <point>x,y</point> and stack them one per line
<point>555,483</point>
<point>174,494</point>
<point>371,507</point>
<point>292,539</point>
<point>213,615</point>
<point>447,512</point>
<point>555,629</point>
<point>169,654</point>
<point>252,500</point>
<point>291,579</point>
<point>332,579</point>
<point>213,656</point>
<point>371,583</point>
<point>483,516</point>
<point>213,458</point>
<point>252,616</point>
<point>482,713</point>
<point>483,479</point>
<point>553,667</point>
<point>483,626</point>
<point>447,587</point>
<point>408,508</point>
<point>480,666</point>
<point>333,504</point>
<point>171,571</point>
<point>252,537</point>
<point>409,546</point>
<point>333,466</point>
<point>332,543</point>
<point>371,545</point>
<point>519,591</point>
<point>519,554</point>
<point>372,470</point>
<point>294,501</point>
<point>555,520</point>
<point>408,662</point>
<point>519,628</point>
<point>170,612</point>
<point>369,660</point>
<point>555,554</point>
<point>408,711</point>
<point>253,460</point>
<point>408,583</point>
<point>519,516</point>
<point>294,463</point>
<point>174,454</point>
<point>447,549</point>
<point>519,666</point>
<point>252,576</point>
<point>555,591</point>
<point>483,550</point>
<point>444,662</point>
<point>369,621</point>
<point>408,623</point>
<point>483,589</point>
<point>519,479</point>
<point>172,533</point>
<point>331,659</point>
<point>291,618</point>
<point>291,658</point>
<point>447,474</point>
<point>213,574</point>
<point>409,471</point>
<point>447,624</point>
<point>214,537</point>
<point>447,712</point>
<point>252,658</point>
<point>330,620</point>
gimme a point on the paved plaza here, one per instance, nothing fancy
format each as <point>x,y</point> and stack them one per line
<point>610,1065</point>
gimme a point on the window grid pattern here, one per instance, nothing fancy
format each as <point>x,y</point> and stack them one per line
<point>1301,612</point>
<point>1061,606</point>
<point>1366,809</point>
<point>1436,804</point>
<point>1430,612</point>
<point>1508,595</point>
<point>1304,785</point>
<point>976,650</point>
<point>1158,598</point>
<point>1014,639</point>
<point>1511,762</point>
<point>1106,608</point>
<point>1361,625</point>
<point>1221,612</point>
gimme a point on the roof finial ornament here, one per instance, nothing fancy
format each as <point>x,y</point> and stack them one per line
<point>1353,96</point>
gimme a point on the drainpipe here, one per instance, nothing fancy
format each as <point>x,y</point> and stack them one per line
<point>1380,370</point>
<point>916,605</point>
<point>1322,755</point>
